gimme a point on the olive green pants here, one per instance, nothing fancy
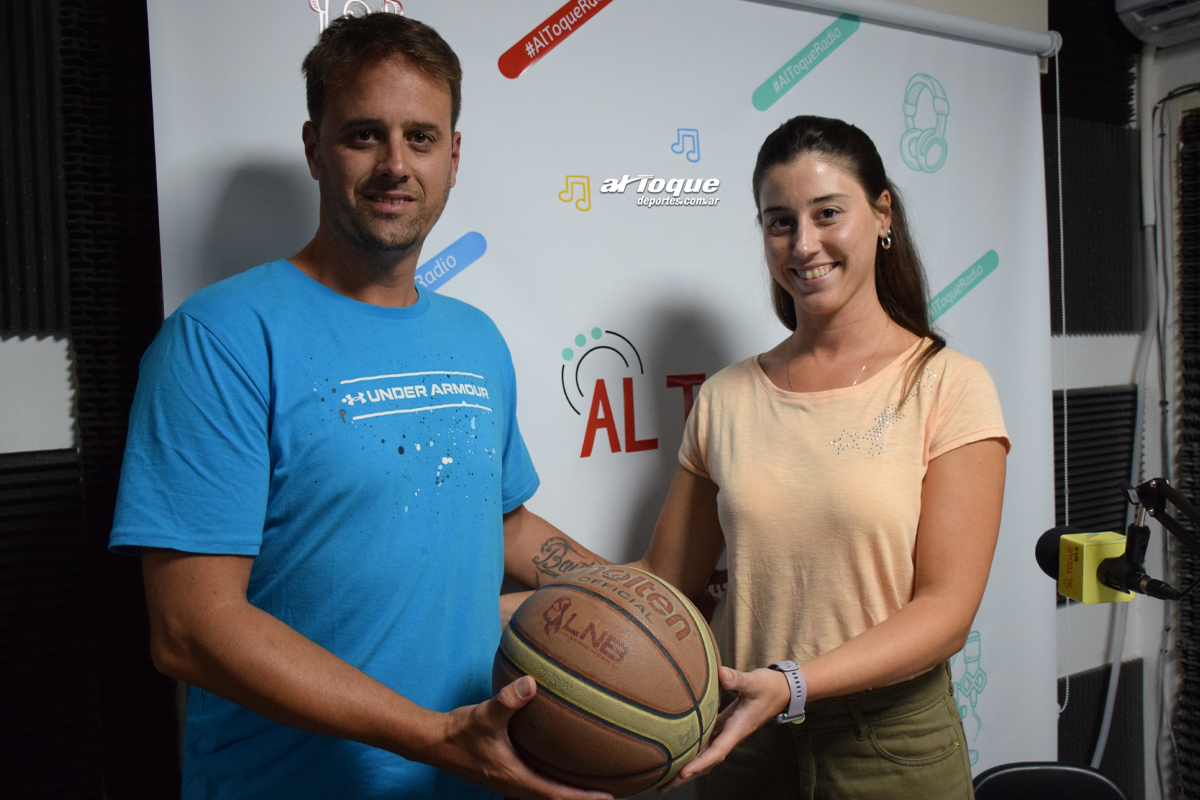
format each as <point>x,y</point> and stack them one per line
<point>904,742</point>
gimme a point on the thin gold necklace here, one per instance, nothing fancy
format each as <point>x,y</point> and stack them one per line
<point>879,344</point>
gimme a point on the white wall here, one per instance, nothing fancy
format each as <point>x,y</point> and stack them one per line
<point>1177,66</point>
<point>37,394</point>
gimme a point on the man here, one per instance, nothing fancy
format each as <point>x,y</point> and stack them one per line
<point>324,472</point>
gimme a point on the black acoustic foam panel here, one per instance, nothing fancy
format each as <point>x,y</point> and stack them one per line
<point>33,242</point>
<point>1187,709</point>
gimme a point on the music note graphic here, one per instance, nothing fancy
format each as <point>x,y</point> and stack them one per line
<point>681,141</point>
<point>584,183</point>
<point>323,18</point>
<point>355,8</point>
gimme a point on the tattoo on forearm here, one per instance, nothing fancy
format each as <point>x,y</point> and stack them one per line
<point>559,556</point>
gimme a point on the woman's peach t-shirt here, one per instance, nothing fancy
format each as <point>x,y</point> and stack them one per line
<point>820,494</point>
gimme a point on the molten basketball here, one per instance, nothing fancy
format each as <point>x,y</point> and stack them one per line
<point>627,679</point>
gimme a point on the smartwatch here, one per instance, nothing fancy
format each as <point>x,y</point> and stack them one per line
<point>795,678</point>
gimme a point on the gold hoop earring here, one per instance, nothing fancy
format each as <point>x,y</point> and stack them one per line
<point>886,242</point>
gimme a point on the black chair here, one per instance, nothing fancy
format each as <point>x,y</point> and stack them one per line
<point>1045,780</point>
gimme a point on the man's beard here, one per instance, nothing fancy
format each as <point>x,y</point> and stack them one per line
<point>375,235</point>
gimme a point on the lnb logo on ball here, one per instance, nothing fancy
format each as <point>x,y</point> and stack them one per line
<point>653,191</point>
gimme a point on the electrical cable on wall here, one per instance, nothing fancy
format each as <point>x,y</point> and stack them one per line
<point>1161,318</point>
<point>1062,361</point>
<point>1168,610</point>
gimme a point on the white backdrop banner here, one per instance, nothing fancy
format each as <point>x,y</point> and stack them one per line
<point>603,217</point>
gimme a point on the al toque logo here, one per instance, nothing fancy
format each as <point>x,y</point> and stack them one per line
<point>614,350</point>
<point>600,415</point>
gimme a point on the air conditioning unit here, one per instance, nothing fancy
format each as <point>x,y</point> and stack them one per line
<point>1161,22</point>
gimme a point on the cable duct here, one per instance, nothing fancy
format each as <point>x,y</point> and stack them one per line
<point>939,23</point>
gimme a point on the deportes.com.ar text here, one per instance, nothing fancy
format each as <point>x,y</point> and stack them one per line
<point>651,202</point>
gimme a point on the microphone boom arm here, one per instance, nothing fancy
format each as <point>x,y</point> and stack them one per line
<point>1125,573</point>
<point>1153,496</point>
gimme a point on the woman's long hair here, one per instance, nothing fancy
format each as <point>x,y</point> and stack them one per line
<point>899,276</point>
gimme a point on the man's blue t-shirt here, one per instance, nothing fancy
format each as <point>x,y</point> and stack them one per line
<point>364,456</point>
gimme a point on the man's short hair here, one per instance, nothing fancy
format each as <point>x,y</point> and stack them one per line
<point>350,43</point>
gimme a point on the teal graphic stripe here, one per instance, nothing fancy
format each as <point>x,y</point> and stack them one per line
<point>958,288</point>
<point>803,62</point>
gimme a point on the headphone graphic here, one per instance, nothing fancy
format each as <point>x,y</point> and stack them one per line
<point>924,149</point>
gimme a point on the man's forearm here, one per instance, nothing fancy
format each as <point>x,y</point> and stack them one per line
<point>535,550</point>
<point>219,642</point>
<point>205,632</point>
<point>263,664</point>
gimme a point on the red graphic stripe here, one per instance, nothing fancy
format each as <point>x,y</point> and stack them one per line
<point>547,36</point>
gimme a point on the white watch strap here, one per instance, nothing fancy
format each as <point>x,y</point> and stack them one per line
<point>799,687</point>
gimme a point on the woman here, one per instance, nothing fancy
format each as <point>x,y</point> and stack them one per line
<point>855,474</point>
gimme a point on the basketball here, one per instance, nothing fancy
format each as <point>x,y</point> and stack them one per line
<point>627,679</point>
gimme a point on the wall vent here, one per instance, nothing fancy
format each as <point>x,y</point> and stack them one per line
<point>1100,431</point>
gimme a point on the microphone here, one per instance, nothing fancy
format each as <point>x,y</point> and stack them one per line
<point>1106,567</point>
<point>1081,562</point>
<point>1047,549</point>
